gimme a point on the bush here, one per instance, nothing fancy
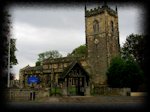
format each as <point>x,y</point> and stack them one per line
<point>72,90</point>
<point>124,73</point>
<point>55,91</point>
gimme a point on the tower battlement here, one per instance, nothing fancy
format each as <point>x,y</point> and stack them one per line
<point>96,11</point>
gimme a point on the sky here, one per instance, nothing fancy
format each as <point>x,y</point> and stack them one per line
<point>40,29</point>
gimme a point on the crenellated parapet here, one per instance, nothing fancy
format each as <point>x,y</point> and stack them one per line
<point>99,10</point>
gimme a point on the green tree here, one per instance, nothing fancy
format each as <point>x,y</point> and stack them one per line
<point>13,49</point>
<point>134,47</point>
<point>38,63</point>
<point>124,73</point>
<point>41,56</point>
<point>52,54</point>
<point>48,55</point>
<point>79,51</point>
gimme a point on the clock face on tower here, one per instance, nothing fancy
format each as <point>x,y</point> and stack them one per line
<point>96,41</point>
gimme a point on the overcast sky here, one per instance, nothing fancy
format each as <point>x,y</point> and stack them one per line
<point>39,29</point>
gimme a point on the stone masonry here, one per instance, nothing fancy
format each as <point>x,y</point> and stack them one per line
<point>102,41</point>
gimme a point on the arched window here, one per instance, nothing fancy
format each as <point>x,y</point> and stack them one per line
<point>95,26</point>
<point>112,26</point>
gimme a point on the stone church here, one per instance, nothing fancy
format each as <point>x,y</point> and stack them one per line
<point>84,74</point>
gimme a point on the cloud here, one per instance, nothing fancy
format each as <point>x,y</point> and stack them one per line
<point>130,21</point>
<point>50,17</point>
<point>33,40</point>
<point>36,38</point>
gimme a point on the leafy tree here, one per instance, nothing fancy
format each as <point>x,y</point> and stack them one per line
<point>124,73</point>
<point>134,47</point>
<point>13,49</point>
<point>79,51</point>
<point>48,55</point>
<point>38,63</point>
<point>53,54</point>
<point>41,56</point>
<point>13,59</point>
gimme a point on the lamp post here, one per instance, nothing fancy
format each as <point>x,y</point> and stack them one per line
<point>8,78</point>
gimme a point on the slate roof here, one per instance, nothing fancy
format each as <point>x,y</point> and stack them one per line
<point>62,60</point>
<point>25,68</point>
<point>36,68</point>
<point>70,67</point>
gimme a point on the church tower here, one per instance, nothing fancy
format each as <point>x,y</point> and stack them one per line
<point>102,41</point>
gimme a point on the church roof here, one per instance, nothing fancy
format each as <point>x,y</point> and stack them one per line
<point>62,60</point>
<point>70,67</point>
<point>25,68</point>
<point>39,68</point>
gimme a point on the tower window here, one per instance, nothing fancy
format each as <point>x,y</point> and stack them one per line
<point>112,26</point>
<point>96,26</point>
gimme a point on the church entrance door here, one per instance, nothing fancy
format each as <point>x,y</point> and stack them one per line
<point>80,86</point>
<point>76,86</point>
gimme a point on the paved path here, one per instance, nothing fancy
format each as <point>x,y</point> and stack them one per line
<point>103,99</point>
<point>89,99</point>
<point>86,99</point>
<point>86,103</point>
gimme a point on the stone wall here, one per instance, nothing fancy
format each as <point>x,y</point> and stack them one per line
<point>43,93</point>
<point>30,95</point>
<point>26,94</point>
<point>119,91</point>
<point>17,94</point>
<point>111,91</point>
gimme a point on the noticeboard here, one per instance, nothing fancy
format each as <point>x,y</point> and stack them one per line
<point>33,79</point>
